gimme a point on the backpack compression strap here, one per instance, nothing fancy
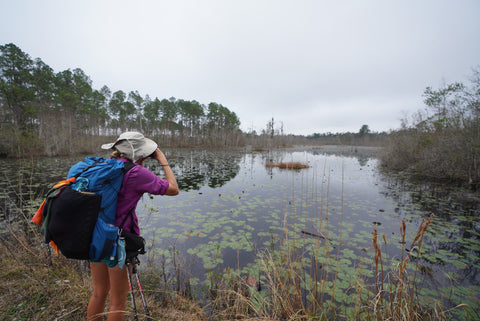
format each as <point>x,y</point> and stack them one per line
<point>87,168</point>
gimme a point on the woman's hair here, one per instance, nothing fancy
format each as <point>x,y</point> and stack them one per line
<point>117,154</point>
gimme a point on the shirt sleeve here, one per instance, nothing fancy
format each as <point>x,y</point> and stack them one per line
<point>144,181</point>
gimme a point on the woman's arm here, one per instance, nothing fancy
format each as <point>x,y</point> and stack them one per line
<point>169,176</point>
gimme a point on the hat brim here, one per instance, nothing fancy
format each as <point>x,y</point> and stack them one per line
<point>108,146</point>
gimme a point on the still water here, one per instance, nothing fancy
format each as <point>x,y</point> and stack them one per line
<point>232,207</point>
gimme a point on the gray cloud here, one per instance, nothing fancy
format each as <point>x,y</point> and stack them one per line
<point>316,66</point>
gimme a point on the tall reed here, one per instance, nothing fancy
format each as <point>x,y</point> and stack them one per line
<point>400,301</point>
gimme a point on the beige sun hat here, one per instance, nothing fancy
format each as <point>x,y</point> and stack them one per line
<point>133,145</point>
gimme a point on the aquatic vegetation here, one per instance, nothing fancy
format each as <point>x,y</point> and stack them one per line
<point>291,165</point>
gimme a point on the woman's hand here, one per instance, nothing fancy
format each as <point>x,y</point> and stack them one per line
<point>157,155</point>
<point>160,157</point>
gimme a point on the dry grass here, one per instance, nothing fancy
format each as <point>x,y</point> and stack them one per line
<point>37,287</point>
<point>395,291</point>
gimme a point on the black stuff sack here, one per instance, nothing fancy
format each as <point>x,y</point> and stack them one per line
<point>134,244</point>
<point>71,221</point>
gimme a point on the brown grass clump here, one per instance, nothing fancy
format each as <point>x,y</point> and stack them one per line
<point>38,287</point>
<point>288,165</point>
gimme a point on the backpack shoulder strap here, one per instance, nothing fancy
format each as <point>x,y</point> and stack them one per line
<point>125,219</point>
<point>128,166</point>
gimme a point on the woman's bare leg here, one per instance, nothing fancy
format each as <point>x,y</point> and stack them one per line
<point>101,286</point>
<point>118,293</point>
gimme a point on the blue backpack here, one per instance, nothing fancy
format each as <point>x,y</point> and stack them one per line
<point>79,217</point>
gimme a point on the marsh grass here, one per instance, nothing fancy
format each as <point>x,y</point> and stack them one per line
<point>396,290</point>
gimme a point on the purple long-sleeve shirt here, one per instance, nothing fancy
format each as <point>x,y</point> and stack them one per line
<point>136,182</point>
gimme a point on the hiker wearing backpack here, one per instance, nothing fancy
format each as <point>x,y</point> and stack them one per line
<point>109,278</point>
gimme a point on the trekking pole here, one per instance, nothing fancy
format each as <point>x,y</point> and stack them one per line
<point>134,306</point>
<point>135,271</point>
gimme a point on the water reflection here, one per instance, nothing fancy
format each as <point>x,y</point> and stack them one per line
<point>195,169</point>
<point>361,153</point>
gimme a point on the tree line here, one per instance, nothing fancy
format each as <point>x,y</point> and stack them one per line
<point>50,113</point>
<point>57,113</point>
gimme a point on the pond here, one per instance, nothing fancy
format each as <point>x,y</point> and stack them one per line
<point>232,207</point>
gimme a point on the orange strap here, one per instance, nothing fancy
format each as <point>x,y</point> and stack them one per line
<point>38,217</point>
<point>65,182</point>
<point>55,247</point>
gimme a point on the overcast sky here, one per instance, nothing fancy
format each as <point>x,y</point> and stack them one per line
<point>317,66</point>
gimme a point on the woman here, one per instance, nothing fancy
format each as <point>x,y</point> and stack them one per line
<point>107,276</point>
